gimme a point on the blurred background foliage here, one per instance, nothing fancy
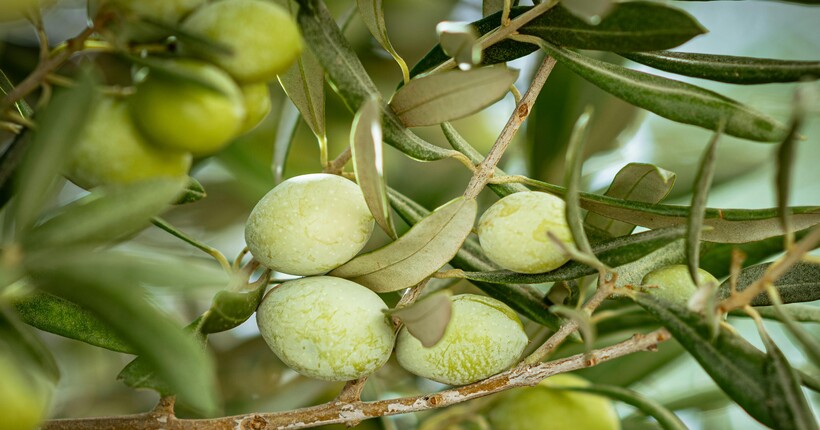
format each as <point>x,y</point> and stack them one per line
<point>251,377</point>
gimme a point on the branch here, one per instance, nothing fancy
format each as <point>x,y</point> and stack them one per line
<point>338,412</point>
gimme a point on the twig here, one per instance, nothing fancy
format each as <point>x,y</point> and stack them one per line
<point>337,412</point>
<point>486,169</point>
<point>335,167</point>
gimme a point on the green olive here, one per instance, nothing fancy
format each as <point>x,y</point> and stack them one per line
<point>514,232</point>
<point>543,407</point>
<point>164,11</point>
<point>673,283</point>
<point>326,328</point>
<point>309,225</point>
<point>484,337</point>
<point>112,151</point>
<point>257,105</point>
<point>188,116</point>
<point>24,396</point>
<point>263,37</point>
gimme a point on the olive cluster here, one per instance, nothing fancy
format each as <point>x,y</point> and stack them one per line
<point>191,104</point>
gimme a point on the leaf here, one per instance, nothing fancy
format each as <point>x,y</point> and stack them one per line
<point>613,253</point>
<point>447,96</point>
<point>639,182</point>
<point>60,124</point>
<point>372,13</point>
<point>17,339</point>
<point>694,223</point>
<point>796,312</point>
<point>741,370</point>
<point>666,418</point>
<point>21,106</point>
<point>229,309</point>
<point>801,283</point>
<point>119,303</point>
<point>368,163</point>
<point>727,225</point>
<point>459,40</point>
<point>107,214</point>
<point>351,81</point>
<point>591,11</point>
<point>426,319</point>
<point>61,317</point>
<point>193,192</point>
<point>631,26</point>
<point>727,68</point>
<point>285,132</point>
<point>674,100</point>
<point>425,248</point>
<point>572,180</point>
<point>304,83</point>
<point>785,161</point>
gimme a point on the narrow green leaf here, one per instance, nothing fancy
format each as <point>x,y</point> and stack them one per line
<point>285,132</point>
<point>447,96</point>
<point>613,253</point>
<point>427,319</point>
<point>459,40</point>
<point>741,370</point>
<point>796,312</point>
<point>372,13</point>
<point>785,162</point>
<point>427,247</point>
<point>572,180</point>
<point>351,81</point>
<point>61,317</point>
<point>801,283</point>
<point>639,182</point>
<point>522,298</point>
<point>21,106</point>
<point>727,68</point>
<point>368,163</point>
<point>304,83</point>
<point>694,223</point>
<point>193,192</point>
<point>229,309</point>
<point>726,225</point>
<point>59,126</point>
<point>633,26</point>
<point>19,340</point>
<point>716,258</point>
<point>107,214</point>
<point>119,303</point>
<point>666,418</point>
<point>677,101</point>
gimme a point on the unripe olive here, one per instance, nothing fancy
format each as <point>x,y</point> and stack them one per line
<point>188,116</point>
<point>309,225</point>
<point>24,396</point>
<point>112,151</point>
<point>262,35</point>
<point>513,232</point>
<point>257,105</point>
<point>673,283</point>
<point>12,10</point>
<point>165,11</point>
<point>326,328</point>
<point>542,407</point>
<point>484,337</point>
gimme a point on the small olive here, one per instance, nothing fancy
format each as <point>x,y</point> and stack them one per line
<point>673,283</point>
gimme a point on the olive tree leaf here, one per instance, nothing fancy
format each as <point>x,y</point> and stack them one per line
<point>107,214</point>
<point>591,11</point>
<point>572,180</point>
<point>427,318</point>
<point>229,309</point>
<point>796,312</point>
<point>674,100</point>
<point>285,132</point>
<point>801,283</point>
<point>60,124</point>
<point>118,301</point>
<point>460,41</point>
<point>351,81</point>
<point>372,13</point>
<point>446,96</point>
<point>639,182</point>
<point>64,318</point>
<point>522,298</point>
<point>368,163</point>
<point>17,339</point>
<point>745,373</point>
<point>425,248</point>
<point>666,418</point>
<point>631,26</point>
<point>727,68</point>
<point>785,161</point>
<point>613,253</point>
<point>694,223</point>
<point>21,105</point>
<point>726,225</point>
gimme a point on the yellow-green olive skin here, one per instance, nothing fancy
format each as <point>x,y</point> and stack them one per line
<point>257,105</point>
<point>484,337</point>
<point>326,328</point>
<point>24,397</point>
<point>262,35</point>
<point>187,116</point>
<point>112,151</point>
<point>514,232</point>
<point>673,283</point>
<point>309,225</point>
<point>543,407</point>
